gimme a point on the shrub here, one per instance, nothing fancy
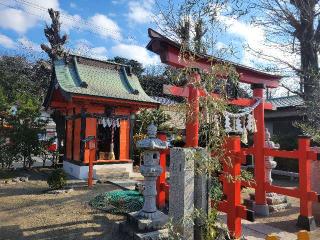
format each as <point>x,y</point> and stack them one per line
<point>57,179</point>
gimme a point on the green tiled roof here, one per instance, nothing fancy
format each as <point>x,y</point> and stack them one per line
<point>289,101</point>
<point>86,76</point>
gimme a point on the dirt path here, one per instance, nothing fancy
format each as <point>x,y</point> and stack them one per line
<point>26,212</point>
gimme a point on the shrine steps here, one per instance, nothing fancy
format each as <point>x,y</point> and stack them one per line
<point>107,174</point>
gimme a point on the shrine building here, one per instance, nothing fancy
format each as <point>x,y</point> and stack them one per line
<point>98,100</point>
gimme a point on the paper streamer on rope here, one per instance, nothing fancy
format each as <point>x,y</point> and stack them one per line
<point>110,122</point>
<point>241,127</point>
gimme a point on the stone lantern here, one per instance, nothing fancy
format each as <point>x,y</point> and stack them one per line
<point>148,223</point>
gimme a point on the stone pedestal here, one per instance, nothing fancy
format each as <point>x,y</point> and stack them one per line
<point>181,195</point>
<point>200,196</point>
<point>275,203</point>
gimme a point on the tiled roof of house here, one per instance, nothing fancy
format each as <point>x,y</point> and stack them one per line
<point>87,76</point>
<point>164,101</point>
<point>289,101</point>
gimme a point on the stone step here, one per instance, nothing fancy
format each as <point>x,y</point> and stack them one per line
<point>112,175</point>
<point>272,208</point>
<point>279,207</point>
<point>107,170</point>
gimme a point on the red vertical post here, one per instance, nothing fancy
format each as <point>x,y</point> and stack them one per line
<point>91,145</point>
<point>90,173</point>
<point>192,118</point>
<point>305,219</point>
<point>234,186</point>
<point>261,207</point>
<point>161,181</point>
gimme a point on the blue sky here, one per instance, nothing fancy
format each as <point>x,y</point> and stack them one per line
<point>99,28</point>
<point>108,28</point>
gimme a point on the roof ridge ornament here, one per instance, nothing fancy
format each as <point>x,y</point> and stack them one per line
<point>52,33</point>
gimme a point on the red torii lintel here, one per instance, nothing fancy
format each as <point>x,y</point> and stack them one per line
<point>170,53</point>
<point>184,92</point>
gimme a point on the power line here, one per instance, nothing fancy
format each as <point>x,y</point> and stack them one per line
<point>91,27</point>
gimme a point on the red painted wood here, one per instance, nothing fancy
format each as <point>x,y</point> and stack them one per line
<point>161,181</point>
<point>234,186</point>
<point>259,138</point>
<point>292,192</point>
<point>184,92</point>
<point>172,56</point>
<point>304,176</point>
<point>192,118</point>
<point>281,153</point>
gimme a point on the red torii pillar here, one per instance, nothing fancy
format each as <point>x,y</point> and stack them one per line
<point>192,118</point>
<point>261,206</point>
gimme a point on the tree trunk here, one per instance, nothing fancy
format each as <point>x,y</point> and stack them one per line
<point>308,51</point>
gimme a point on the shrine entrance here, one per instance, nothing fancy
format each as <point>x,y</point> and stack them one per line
<point>108,141</point>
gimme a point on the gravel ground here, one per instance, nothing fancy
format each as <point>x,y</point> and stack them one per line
<point>28,212</point>
<point>286,220</point>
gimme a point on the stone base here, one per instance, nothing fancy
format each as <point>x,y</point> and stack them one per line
<point>306,223</point>
<point>143,224</point>
<point>261,210</point>
<point>276,202</point>
<point>128,232</point>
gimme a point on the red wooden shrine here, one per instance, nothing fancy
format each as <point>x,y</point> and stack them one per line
<point>97,99</point>
<point>169,52</point>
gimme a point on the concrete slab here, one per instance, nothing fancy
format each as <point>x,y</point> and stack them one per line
<point>258,231</point>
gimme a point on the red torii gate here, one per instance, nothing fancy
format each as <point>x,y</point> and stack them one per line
<point>169,52</point>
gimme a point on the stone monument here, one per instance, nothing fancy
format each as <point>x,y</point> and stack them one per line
<point>181,195</point>
<point>149,222</point>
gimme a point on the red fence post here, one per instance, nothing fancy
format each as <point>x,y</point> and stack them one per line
<point>261,207</point>
<point>192,118</point>
<point>234,186</point>
<point>90,173</point>
<point>161,181</point>
<point>305,219</point>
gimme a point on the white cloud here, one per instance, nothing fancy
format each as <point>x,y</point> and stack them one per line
<point>84,47</point>
<point>135,52</point>
<point>16,20</point>
<point>105,27</point>
<point>258,49</point>
<point>7,42</point>
<point>21,17</point>
<point>140,11</point>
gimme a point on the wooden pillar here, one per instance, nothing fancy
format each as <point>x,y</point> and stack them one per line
<point>91,130</point>
<point>76,137</point>
<point>82,134</point>
<point>305,219</point>
<point>161,181</point>
<point>124,139</point>
<point>192,118</point>
<point>261,207</point>
<point>234,186</point>
<point>69,136</point>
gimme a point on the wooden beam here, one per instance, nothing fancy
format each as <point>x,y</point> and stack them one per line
<point>184,92</point>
